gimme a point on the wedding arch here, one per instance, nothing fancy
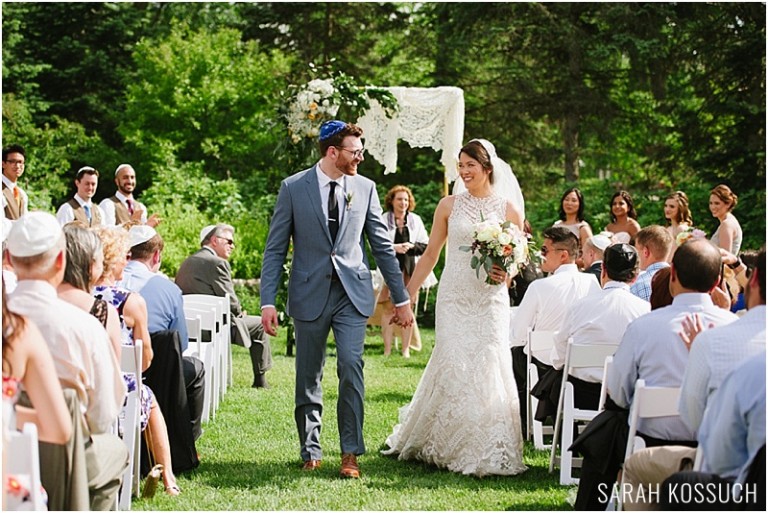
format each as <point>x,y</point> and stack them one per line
<point>426,117</point>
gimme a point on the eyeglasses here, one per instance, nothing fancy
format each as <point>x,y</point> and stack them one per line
<point>228,241</point>
<point>358,154</point>
<point>15,162</point>
<point>545,250</point>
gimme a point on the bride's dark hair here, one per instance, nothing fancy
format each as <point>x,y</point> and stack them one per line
<point>477,151</point>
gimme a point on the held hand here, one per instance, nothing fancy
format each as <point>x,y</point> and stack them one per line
<point>403,316</point>
<point>137,213</point>
<point>269,320</point>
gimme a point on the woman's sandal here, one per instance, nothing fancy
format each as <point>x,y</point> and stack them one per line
<point>173,490</point>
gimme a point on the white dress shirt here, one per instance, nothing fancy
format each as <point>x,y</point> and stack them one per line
<point>714,354</point>
<point>81,351</point>
<point>651,349</point>
<point>546,302</point>
<point>66,214</point>
<point>23,195</point>
<point>599,318</point>
<point>324,182</point>
<point>107,207</point>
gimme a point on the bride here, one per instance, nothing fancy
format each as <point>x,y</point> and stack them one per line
<point>464,415</point>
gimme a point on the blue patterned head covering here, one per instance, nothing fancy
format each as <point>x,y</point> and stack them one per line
<point>331,128</point>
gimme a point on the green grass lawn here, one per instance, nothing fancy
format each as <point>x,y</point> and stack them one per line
<point>250,451</point>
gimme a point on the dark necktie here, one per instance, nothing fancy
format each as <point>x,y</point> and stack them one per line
<point>130,206</point>
<point>333,212</point>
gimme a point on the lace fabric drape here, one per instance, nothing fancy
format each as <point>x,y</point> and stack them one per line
<point>428,117</point>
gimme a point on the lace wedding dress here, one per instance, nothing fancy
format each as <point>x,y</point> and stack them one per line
<point>464,415</point>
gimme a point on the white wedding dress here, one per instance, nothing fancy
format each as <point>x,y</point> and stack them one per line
<point>464,415</point>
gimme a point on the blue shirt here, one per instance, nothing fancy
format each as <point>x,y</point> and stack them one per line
<point>642,286</point>
<point>165,304</point>
<point>733,429</point>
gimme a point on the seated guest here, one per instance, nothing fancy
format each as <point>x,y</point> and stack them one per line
<point>81,207</point>
<point>660,295</point>
<point>79,345</point>
<point>716,352</point>
<point>165,308</point>
<point>600,318</point>
<point>652,350</point>
<point>732,439</point>
<point>713,355</point>
<point>547,300</point>
<point>85,260</point>
<point>593,254</point>
<point>27,361</point>
<point>207,272</point>
<point>28,364</point>
<point>653,245</point>
<point>86,249</point>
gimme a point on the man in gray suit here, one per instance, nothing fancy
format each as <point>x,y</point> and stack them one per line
<point>207,272</point>
<point>328,211</point>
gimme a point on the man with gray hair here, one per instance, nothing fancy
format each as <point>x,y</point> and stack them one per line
<point>80,347</point>
<point>122,207</point>
<point>592,255</point>
<point>207,271</point>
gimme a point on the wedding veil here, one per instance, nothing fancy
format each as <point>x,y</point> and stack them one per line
<point>504,180</point>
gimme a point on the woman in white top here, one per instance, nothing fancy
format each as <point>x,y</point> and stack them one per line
<point>677,213</point>
<point>572,216</point>
<point>623,218</point>
<point>728,235</point>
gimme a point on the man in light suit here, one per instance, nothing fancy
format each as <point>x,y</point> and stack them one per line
<point>207,272</point>
<point>328,211</point>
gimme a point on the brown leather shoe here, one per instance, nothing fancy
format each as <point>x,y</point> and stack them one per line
<point>310,465</point>
<point>349,467</point>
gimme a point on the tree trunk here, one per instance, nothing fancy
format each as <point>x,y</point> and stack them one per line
<point>571,146</point>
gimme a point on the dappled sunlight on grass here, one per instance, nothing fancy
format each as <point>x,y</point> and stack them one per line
<point>250,452</point>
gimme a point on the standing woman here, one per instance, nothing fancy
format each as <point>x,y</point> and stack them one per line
<point>623,217</point>
<point>572,215</point>
<point>728,235</point>
<point>677,213</point>
<point>410,238</point>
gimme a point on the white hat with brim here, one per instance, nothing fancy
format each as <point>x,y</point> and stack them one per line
<point>140,234</point>
<point>206,231</point>
<point>33,234</point>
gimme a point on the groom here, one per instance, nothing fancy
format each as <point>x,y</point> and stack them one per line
<point>328,211</point>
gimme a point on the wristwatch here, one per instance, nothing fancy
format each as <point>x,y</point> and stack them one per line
<point>736,264</point>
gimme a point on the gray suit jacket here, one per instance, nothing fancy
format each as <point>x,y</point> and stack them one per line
<point>206,273</point>
<point>299,218</point>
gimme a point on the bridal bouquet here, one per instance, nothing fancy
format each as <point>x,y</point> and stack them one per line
<point>687,233</point>
<point>500,243</point>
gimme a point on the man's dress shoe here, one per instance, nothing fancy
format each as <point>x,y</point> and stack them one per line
<point>349,468</point>
<point>310,465</point>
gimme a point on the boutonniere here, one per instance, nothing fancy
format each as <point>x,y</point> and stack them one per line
<point>349,197</point>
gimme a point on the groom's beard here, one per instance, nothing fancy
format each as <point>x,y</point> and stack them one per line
<point>347,167</point>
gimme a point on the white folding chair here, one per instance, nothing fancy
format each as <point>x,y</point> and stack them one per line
<point>648,402</point>
<point>223,333</point>
<point>23,459</point>
<point>206,351</point>
<point>577,356</point>
<point>131,362</point>
<point>537,341</point>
